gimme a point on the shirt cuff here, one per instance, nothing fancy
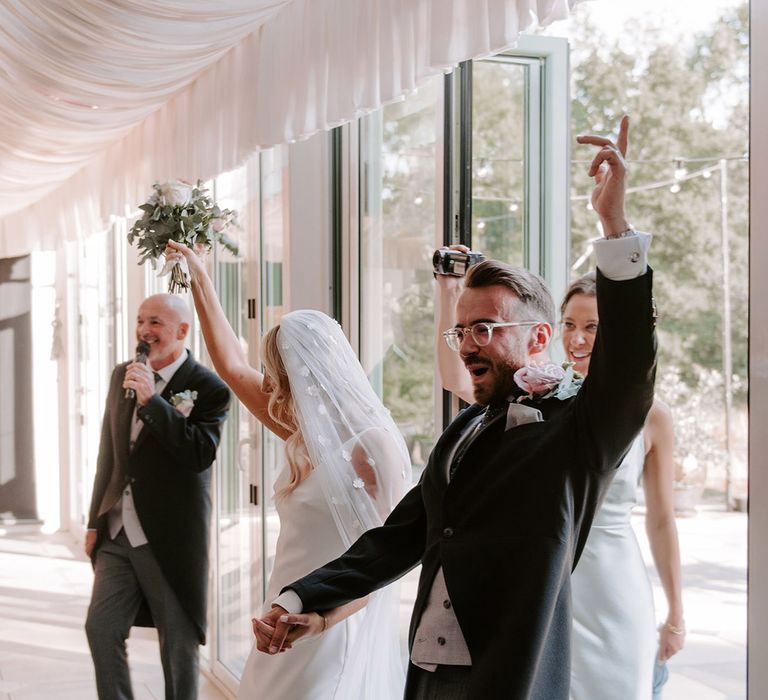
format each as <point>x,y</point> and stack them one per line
<point>290,601</point>
<point>623,258</point>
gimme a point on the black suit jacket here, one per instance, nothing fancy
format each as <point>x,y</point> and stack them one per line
<point>510,526</point>
<point>170,476</point>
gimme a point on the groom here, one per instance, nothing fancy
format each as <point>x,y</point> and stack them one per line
<point>503,509</point>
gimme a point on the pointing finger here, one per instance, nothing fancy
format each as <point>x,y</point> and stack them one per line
<point>623,139</point>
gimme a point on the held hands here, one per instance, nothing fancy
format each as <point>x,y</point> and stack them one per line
<point>609,170</point>
<point>278,630</point>
<point>140,378</point>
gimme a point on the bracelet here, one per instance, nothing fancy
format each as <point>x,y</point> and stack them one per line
<point>626,233</point>
<point>674,630</point>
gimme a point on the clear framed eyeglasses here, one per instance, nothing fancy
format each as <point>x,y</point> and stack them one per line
<point>481,333</point>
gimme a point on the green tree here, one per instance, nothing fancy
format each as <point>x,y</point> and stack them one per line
<point>685,101</point>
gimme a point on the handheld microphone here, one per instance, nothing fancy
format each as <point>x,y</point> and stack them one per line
<point>142,350</point>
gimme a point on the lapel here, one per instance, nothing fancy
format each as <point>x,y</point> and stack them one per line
<point>123,409</point>
<point>446,444</point>
<point>178,380</point>
<point>497,437</point>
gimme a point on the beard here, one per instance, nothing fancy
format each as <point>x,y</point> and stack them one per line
<point>498,384</point>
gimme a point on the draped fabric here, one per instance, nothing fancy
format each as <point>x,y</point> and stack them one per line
<point>101,98</point>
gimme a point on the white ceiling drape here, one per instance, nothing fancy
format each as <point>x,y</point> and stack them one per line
<point>101,98</point>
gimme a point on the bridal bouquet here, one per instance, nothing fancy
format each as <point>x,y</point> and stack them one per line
<point>180,211</point>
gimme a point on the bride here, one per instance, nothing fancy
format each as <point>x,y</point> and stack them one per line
<point>347,467</point>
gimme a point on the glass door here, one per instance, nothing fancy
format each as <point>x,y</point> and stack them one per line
<point>238,571</point>
<point>275,246</point>
<point>252,289</point>
<point>400,153</point>
<point>478,157</point>
<point>517,122</point>
<point>501,211</point>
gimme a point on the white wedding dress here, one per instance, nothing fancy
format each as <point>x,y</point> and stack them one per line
<point>308,539</point>
<point>614,636</point>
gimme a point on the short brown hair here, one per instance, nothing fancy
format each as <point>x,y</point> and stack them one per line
<point>586,285</point>
<point>527,286</point>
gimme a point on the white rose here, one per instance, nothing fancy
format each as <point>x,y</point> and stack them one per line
<point>185,407</point>
<point>176,193</point>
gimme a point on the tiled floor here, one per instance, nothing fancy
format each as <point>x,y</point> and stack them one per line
<point>45,583</point>
<point>713,664</point>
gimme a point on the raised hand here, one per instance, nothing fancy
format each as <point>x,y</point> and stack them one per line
<point>177,251</point>
<point>609,169</point>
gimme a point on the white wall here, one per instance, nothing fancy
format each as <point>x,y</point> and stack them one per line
<point>309,258</point>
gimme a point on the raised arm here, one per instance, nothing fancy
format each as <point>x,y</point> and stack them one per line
<point>453,374</point>
<point>618,393</point>
<point>223,345</point>
<point>658,475</point>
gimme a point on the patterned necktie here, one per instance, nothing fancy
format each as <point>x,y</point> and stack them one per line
<point>491,413</point>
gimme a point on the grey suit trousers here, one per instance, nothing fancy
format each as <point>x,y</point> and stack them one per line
<point>123,574</point>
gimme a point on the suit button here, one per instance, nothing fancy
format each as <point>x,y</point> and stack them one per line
<point>447,604</point>
<point>441,641</point>
<point>448,532</point>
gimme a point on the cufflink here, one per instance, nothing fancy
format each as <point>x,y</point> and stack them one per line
<point>634,257</point>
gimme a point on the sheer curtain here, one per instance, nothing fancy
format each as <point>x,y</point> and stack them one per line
<point>100,99</point>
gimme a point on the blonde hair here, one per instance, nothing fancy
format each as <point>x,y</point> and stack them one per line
<point>281,410</point>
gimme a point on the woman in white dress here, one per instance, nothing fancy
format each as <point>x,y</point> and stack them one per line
<point>615,643</point>
<point>347,467</point>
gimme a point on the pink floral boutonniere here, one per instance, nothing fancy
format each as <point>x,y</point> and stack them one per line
<point>548,380</point>
<point>184,402</point>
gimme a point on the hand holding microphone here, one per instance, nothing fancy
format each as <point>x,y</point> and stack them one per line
<point>142,351</point>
